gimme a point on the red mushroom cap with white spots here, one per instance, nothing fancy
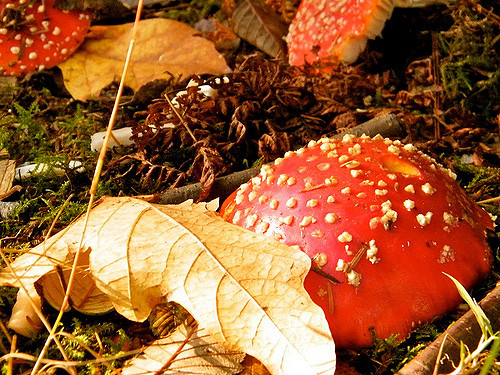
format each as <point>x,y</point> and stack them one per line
<point>34,35</point>
<point>384,220</point>
<point>339,29</point>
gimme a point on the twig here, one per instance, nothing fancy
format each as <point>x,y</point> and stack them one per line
<point>221,188</point>
<point>489,200</point>
<point>33,304</point>
<point>10,361</point>
<point>466,330</point>
<point>58,215</point>
<point>439,354</point>
<point>180,118</point>
<point>386,125</point>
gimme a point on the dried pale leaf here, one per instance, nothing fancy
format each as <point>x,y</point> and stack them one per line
<point>185,351</point>
<point>85,296</point>
<point>7,172</point>
<point>48,265</point>
<point>24,319</point>
<point>245,289</point>
<point>258,24</point>
<point>163,47</point>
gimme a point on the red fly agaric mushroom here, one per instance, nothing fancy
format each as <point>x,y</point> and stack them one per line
<point>381,222</point>
<point>34,35</point>
<point>338,29</point>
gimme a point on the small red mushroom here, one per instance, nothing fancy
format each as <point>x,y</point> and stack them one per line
<point>382,223</point>
<point>34,35</point>
<point>338,29</point>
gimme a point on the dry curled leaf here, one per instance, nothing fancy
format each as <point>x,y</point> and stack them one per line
<point>163,48</point>
<point>48,266</point>
<point>186,350</point>
<point>245,289</point>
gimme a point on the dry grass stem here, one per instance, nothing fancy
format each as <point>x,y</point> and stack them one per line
<point>44,321</point>
<point>65,364</point>
<point>93,189</point>
<point>13,346</point>
<point>58,215</point>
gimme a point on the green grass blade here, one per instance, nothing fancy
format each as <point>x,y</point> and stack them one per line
<point>482,319</point>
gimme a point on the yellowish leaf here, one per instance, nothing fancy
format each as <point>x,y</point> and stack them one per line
<point>163,47</point>
<point>7,172</point>
<point>245,289</point>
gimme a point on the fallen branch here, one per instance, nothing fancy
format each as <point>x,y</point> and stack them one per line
<point>386,125</point>
<point>466,330</point>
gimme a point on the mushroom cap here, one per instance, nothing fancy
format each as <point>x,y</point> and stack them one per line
<point>35,36</point>
<point>335,29</point>
<point>383,219</point>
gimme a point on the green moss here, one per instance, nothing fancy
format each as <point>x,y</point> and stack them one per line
<point>83,335</point>
<point>104,336</point>
<point>470,68</point>
<point>22,136</point>
<point>389,355</point>
<point>192,11</point>
<point>43,134</point>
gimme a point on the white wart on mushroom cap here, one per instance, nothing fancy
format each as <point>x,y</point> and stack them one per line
<point>380,217</point>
